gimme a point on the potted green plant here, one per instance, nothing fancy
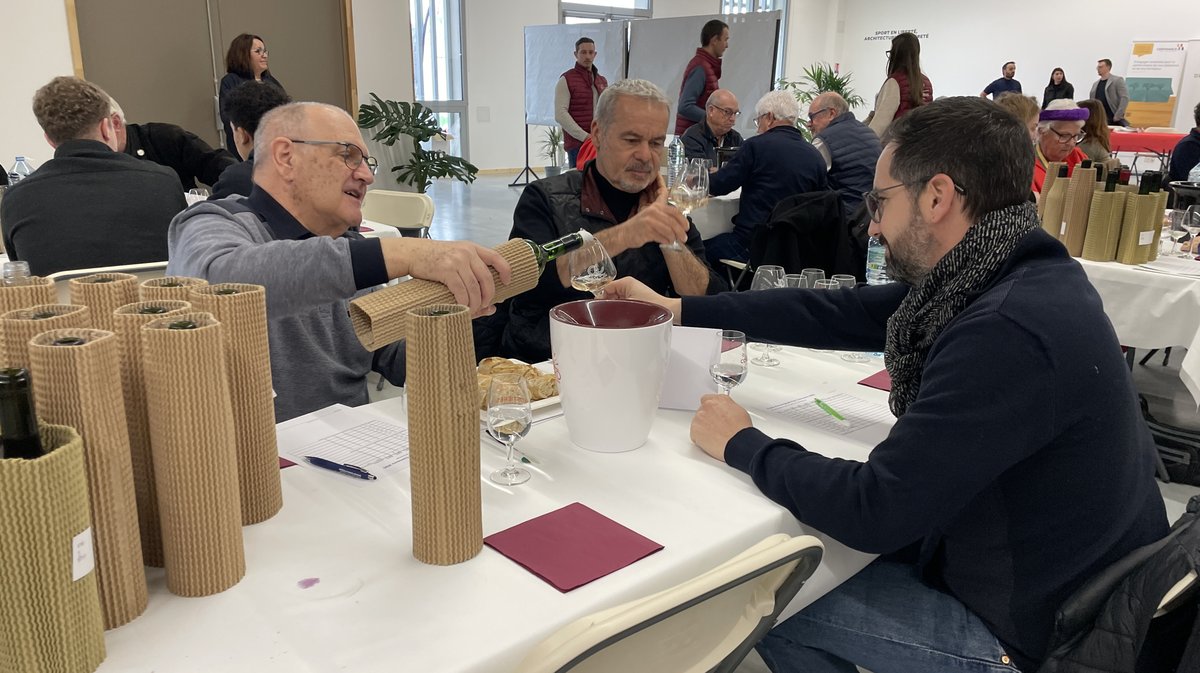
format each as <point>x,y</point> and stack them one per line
<point>389,120</point>
<point>817,79</point>
<point>552,149</point>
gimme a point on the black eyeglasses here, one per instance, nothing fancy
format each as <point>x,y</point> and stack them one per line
<point>1067,138</point>
<point>352,154</point>
<point>874,203</point>
<point>814,114</point>
<point>728,112</point>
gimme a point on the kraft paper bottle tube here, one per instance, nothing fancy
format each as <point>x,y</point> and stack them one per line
<point>379,317</point>
<point>1047,183</point>
<point>443,420</point>
<point>1136,207</point>
<point>128,321</point>
<point>1077,208</point>
<point>192,446</point>
<point>1104,226</point>
<point>51,620</point>
<point>103,293</point>
<point>77,382</point>
<point>1160,211</point>
<point>23,324</point>
<point>1054,198</point>
<point>39,291</point>
<point>242,312</point>
<point>168,287</point>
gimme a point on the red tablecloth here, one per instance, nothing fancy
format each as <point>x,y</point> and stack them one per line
<point>1161,143</point>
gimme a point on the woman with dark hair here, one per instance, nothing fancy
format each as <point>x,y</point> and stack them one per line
<point>1096,145</point>
<point>245,61</point>
<point>1058,88</point>
<point>906,86</point>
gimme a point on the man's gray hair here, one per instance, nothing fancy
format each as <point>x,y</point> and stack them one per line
<point>779,103</point>
<point>284,121</point>
<point>832,100</point>
<point>114,108</point>
<point>638,88</point>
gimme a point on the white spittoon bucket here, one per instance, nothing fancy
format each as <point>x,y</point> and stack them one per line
<point>610,356</point>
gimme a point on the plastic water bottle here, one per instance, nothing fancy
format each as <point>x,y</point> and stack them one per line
<point>20,170</point>
<point>675,161</point>
<point>1194,174</point>
<point>876,262</point>
<point>16,273</point>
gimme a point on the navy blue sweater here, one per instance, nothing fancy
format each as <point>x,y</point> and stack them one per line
<point>1022,468</point>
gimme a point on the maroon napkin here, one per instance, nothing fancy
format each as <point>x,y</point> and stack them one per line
<point>572,546</point>
<point>880,380</point>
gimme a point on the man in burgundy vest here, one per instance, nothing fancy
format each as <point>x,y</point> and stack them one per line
<point>702,75</point>
<point>575,98</point>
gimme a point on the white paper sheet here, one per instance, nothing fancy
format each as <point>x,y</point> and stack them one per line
<point>694,350</point>
<point>345,435</point>
<point>857,412</point>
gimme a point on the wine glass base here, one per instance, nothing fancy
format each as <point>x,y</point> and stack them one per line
<point>510,476</point>
<point>765,360</point>
<point>856,357</point>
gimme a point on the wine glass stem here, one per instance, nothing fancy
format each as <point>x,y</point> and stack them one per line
<point>598,293</point>
<point>725,388</point>
<point>509,465</point>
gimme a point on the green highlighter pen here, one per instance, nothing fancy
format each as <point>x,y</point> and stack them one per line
<point>831,411</point>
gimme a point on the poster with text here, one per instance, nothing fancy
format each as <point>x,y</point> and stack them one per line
<point>1153,78</point>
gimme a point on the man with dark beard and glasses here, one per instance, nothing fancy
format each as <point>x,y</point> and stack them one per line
<point>1019,465</point>
<point>620,198</point>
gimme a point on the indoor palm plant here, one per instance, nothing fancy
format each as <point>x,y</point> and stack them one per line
<point>552,148</point>
<point>389,120</point>
<point>819,78</point>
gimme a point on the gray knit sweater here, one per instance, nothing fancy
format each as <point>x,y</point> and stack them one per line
<point>316,360</point>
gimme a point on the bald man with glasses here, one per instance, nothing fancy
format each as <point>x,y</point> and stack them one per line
<point>702,140</point>
<point>294,235</point>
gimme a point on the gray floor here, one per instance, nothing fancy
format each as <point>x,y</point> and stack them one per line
<point>482,212</point>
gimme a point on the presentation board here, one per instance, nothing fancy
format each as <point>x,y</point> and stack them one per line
<point>550,51</point>
<point>660,48</point>
<point>1189,89</point>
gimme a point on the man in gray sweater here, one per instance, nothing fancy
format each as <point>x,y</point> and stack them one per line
<point>292,235</point>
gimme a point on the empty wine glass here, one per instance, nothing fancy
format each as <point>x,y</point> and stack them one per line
<point>1174,229</point>
<point>795,280</point>
<point>1191,222</point>
<point>766,277</point>
<point>689,191</point>
<point>730,368</point>
<point>508,420</point>
<point>813,276</point>
<point>827,284</point>
<point>591,268</point>
<point>845,280</point>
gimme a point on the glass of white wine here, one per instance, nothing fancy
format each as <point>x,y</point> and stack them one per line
<point>689,191</point>
<point>508,420</point>
<point>730,368</point>
<point>591,268</point>
<point>1173,226</point>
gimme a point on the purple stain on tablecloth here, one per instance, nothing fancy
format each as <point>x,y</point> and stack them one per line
<point>308,582</point>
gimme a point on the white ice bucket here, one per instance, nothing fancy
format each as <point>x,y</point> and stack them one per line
<point>610,356</point>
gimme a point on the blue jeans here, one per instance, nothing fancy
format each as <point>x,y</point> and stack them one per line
<point>572,155</point>
<point>887,621</point>
<point>725,246</point>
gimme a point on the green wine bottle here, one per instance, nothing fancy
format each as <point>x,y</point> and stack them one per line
<point>18,424</point>
<point>548,252</point>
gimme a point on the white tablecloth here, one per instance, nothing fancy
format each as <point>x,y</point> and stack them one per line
<point>717,217</point>
<point>1152,310</point>
<point>377,609</point>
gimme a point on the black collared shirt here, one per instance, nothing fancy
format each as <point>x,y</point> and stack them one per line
<point>366,254</point>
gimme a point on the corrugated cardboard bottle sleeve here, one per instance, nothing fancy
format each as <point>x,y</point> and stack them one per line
<point>20,326</point>
<point>51,621</point>
<point>128,321</point>
<point>77,382</point>
<point>103,293</point>
<point>1104,226</point>
<point>242,311</point>
<point>168,287</point>
<point>1133,224</point>
<point>192,446</point>
<point>12,297</point>
<point>379,317</point>
<point>1076,209</point>
<point>443,420</point>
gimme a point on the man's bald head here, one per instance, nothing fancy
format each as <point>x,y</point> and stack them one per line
<point>824,108</point>
<point>721,111</point>
<point>292,121</point>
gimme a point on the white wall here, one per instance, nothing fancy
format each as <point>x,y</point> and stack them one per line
<point>39,31</point>
<point>966,47</point>
<point>384,64</point>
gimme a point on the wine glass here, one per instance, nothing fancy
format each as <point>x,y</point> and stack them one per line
<point>813,276</point>
<point>689,191</point>
<point>766,277</point>
<point>1191,222</point>
<point>730,368</point>
<point>827,284</point>
<point>795,280</point>
<point>1174,229</point>
<point>508,420</point>
<point>591,268</point>
<point>845,280</point>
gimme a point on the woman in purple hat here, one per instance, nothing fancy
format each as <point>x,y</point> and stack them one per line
<point>1060,129</point>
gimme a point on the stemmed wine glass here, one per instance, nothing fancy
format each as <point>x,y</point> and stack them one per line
<point>1191,222</point>
<point>508,420</point>
<point>689,190</point>
<point>591,268</point>
<point>1173,227</point>
<point>730,368</point>
<point>766,277</point>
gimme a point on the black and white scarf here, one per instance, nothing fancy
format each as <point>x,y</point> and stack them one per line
<point>963,273</point>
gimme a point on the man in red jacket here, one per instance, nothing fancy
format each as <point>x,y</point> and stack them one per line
<point>575,97</point>
<point>702,75</point>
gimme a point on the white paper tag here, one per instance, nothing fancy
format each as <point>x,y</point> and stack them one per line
<point>1062,231</point>
<point>694,350</point>
<point>1146,237</point>
<point>83,558</point>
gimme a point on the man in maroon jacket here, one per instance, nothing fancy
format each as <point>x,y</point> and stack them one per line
<point>702,75</point>
<point>575,98</point>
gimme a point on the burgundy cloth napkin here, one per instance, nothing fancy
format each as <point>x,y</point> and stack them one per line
<point>880,380</point>
<point>572,546</point>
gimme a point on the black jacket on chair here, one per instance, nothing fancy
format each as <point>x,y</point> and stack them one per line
<point>184,152</point>
<point>808,231</point>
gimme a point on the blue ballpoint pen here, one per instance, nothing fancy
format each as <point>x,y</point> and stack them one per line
<point>350,470</point>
